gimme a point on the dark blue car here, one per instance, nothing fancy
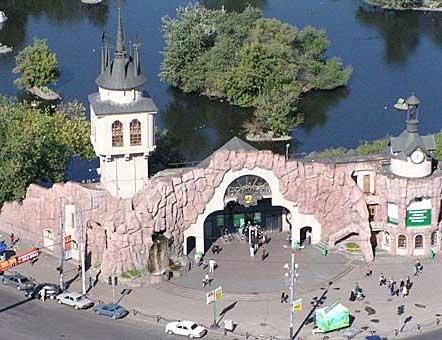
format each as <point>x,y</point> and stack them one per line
<point>115,311</point>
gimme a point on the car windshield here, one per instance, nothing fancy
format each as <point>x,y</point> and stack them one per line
<point>79,298</point>
<point>24,280</point>
<point>194,326</point>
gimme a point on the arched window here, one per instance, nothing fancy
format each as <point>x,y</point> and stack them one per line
<point>386,238</point>
<point>402,242</point>
<point>418,242</point>
<point>74,245</point>
<point>117,133</point>
<point>47,233</point>
<point>135,132</point>
<point>434,238</point>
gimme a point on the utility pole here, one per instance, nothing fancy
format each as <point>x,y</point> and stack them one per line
<point>83,253</point>
<point>61,246</point>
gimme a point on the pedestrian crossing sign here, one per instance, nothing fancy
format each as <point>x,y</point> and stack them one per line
<point>297,305</point>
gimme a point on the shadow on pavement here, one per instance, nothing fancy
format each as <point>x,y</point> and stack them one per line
<point>4,309</point>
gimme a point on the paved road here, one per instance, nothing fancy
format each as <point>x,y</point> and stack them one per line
<point>25,319</point>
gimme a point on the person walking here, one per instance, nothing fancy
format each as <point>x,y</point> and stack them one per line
<point>283,298</point>
<point>43,294</point>
<point>408,283</point>
<point>393,288</point>
<point>417,268</point>
<point>382,279</point>
<point>404,291</point>
<point>212,265</point>
<point>263,254</point>
<point>401,284</point>
<point>12,238</point>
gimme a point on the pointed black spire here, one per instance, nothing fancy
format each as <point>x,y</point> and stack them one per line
<point>119,44</point>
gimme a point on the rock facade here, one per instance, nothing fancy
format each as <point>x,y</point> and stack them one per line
<point>119,231</point>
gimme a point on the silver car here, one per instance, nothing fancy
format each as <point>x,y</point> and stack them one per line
<point>19,281</point>
<point>75,300</point>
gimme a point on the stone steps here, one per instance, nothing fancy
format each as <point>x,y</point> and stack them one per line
<point>196,294</point>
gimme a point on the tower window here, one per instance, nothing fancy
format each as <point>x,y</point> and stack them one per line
<point>135,132</point>
<point>117,133</point>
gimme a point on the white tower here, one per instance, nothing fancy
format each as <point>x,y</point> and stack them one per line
<point>122,119</point>
<point>411,153</point>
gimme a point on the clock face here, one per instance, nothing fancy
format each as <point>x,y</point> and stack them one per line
<point>417,157</point>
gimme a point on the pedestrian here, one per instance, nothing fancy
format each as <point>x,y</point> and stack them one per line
<point>404,291</point>
<point>393,288</point>
<point>12,238</point>
<point>417,268</point>
<point>208,279</point>
<point>263,254</point>
<point>408,283</point>
<point>308,238</point>
<point>382,279</point>
<point>205,280</point>
<point>79,268</point>
<point>282,297</point>
<point>357,288</point>
<point>43,294</point>
<point>401,284</point>
<point>212,265</point>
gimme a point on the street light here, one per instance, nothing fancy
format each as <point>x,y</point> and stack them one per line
<point>293,274</point>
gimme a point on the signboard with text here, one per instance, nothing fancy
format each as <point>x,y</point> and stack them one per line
<point>218,293</point>
<point>418,218</point>
<point>210,297</point>
<point>297,305</point>
<point>19,259</point>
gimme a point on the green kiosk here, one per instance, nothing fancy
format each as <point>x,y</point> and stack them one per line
<point>330,318</point>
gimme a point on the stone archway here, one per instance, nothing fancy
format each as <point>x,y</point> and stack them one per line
<point>217,202</point>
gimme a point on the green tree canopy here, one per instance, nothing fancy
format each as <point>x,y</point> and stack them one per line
<point>249,60</point>
<point>36,65</point>
<point>36,146</point>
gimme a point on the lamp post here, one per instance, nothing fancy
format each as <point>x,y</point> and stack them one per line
<point>61,245</point>
<point>292,277</point>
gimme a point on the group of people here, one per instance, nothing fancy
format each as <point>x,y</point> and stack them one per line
<point>207,280</point>
<point>392,288</point>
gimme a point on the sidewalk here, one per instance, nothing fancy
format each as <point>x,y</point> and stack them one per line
<point>270,317</point>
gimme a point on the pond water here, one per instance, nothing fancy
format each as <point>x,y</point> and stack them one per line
<point>392,54</point>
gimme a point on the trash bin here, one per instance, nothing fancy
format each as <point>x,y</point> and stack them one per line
<point>229,326</point>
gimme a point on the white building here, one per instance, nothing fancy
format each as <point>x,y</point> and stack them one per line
<point>122,119</point>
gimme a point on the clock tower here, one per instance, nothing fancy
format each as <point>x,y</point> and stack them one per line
<point>412,154</point>
<point>122,118</point>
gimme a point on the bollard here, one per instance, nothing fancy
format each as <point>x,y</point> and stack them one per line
<point>419,328</point>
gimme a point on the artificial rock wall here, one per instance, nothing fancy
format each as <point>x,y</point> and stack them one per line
<point>120,230</point>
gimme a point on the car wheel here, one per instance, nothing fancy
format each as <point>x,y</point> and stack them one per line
<point>169,332</point>
<point>59,301</point>
<point>191,336</point>
<point>97,312</point>
<point>52,297</point>
<point>114,317</point>
<point>18,287</point>
<point>76,307</point>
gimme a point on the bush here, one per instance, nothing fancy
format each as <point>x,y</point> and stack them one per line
<point>351,246</point>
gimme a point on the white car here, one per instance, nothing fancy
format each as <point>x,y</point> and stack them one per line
<point>75,300</point>
<point>187,328</point>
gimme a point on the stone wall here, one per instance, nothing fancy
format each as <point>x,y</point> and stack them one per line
<point>120,230</point>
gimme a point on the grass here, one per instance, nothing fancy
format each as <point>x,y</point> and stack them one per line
<point>131,274</point>
<point>351,246</point>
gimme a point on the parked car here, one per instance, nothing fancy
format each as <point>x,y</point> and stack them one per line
<point>75,300</point>
<point>19,281</point>
<point>51,290</point>
<point>115,311</point>
<point>187,328</point>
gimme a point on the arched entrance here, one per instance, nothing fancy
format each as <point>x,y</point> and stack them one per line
<point>190,244</point>
<point>303,233</point>
<point>248,190</point>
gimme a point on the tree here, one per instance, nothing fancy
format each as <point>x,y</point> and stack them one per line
<point>36,146</point>
<point>251,61</point>
<point>165,153</point>
<point>36,65</point>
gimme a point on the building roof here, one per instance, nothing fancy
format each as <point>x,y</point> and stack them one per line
<point>407,142</point>
<point>122,73</point>
<point>104,107</point>
<point>234,144</point>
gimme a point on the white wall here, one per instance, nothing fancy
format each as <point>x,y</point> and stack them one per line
<point>101,131</point>
<point>120,97</point>
<point>303,220</point>
<point>123,177</point>
<point>359,174</point>
<point>409,169</point>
